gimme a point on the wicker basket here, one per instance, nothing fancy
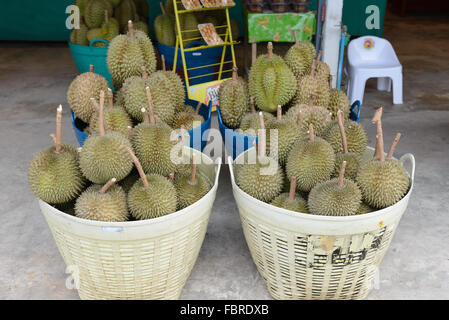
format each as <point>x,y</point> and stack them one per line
<point>304,256</point>
<point>147,259</point>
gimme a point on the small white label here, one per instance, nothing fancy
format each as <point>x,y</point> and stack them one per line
<point>112,229</point>
<point>196,54</point>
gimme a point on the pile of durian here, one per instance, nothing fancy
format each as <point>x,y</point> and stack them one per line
<point>105,19</point>
<point>165,24</point>
<point>319,165</point>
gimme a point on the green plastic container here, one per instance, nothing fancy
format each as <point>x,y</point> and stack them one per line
<point>84,56</point>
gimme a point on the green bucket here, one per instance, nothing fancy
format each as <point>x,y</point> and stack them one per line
<point>84,56</point>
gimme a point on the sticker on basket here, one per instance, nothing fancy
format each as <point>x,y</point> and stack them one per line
<point>368,44</point>
<point>209,34</point>
<point>211,3</point>
<point>112,229</point>
<point>191,4</point>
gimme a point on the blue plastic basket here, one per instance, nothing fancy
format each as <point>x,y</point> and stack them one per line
<point>198,136</point>
<point>195,59</point>
<point>84,56</point>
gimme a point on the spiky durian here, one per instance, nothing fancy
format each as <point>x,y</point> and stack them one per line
<point>318,116</point>
<point>233,99</point>
<point>53,174</point>
<point>291,200</point>
<point>338,101</point>
<point>188,21</point>
<point>94,12</point>
<point>188,120</point>
<point>103,156</point>
<point>85,86</point>
<point>312,87</point>
<point>128,53</point>
<point>164,28</point>
<point>190,186</point>
<point>355,136</point>
<point>262,178</point>
<point>300,56</point>
<point>79,36</point>
<point>336,197</point>
<point>115,117</point>
<point>322,70</point>
<point>177,90</point>
<point>364,208</point>
<point>271,82</point>
<point>81,4</point>
<point>250,122</point>
<point>103,203</point>
<point>124,13</point>
<point>142,26</point>
<point>142,8</point>
<point>152,195</point>
<point>282,133</point>
<point>310,162</point>
<point>152,142</point>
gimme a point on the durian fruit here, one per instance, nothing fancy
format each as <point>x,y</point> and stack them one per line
<point>85,86</point>
<point>233,99</point>
<point>300,56</point>
<point>79,36</point>
<point>81,6</point>
<point>125,12</point>
<point>53,174</point>
<point>312,85</point>
<point>188,120</point>
<point>164,29</point>
<point>141,26</point>
<point>310,162</point>
<point>355,136</point>
<point>271,82</point>
<point>364,208</point>
<point>291,200</point>
<point>184,108</point>
<point>383,182</point>
<point>109,28</point>
<point>322,70</point>
<point>352,159</point>
<point>153,144</point>
<point>261,178</point>
<point>169,7</point>
<point>128,53</point>
<point>102,156</point>
<point>250,123</point>
<point>336,197</point>
<point>152,195</point>
<point>177,91</point>
<point>115,117</point>
<point>94,12</point>
<point>95,34</point>
<point>160,88</point>
<point>282,133</point>
<point>130,180</point>
<point>338,101</point>
<point>103,203</point>
<point>318,116</point>
<point>142,8</point>
<point>190,186</point>
<point>188,21</point>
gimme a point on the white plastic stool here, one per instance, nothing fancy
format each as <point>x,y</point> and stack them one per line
<point>373,57</point>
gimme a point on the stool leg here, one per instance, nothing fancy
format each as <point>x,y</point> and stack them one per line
<point>357,88</point>
<point>384,84</point>
<point>397,88</point>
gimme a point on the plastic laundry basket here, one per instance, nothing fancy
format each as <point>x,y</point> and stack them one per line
<point>147,259</point>
<point>84,56</point>
<point>305,256</point>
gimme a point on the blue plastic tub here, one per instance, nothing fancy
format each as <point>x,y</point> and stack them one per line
<point>236,143</point>
<point>198,136</point>
<point>196,59</point>
<point>84,56</point>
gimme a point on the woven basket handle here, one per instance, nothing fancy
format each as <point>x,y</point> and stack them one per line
<point>411,159</point>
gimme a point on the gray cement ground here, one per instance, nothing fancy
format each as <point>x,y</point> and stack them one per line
<point>34,79</point>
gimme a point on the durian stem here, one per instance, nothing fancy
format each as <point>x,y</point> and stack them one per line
<point>138,167</point>
<point>318,57</point>
<point>295,33</point>
<point>163,62</point>
<point>193,174</point>
<point>291,194</point>
<point>59,128</point>
<point>377,118</point>
<point>106,16</point>
<point>311,133</point>
<point>330,81</point>
<point>342,174</point>
<point>144,73</point>
<point>393,145</point>
<point>146,118</point>
<point>341,124</point>
<point>95,104</point>
<point>380,142</point>
<point>253,52</point>
<point>150,105</point>
<point>171,177</point>
<point>262,137</point>
<point>92,68</point>
<point>234,74</point>
<point>299,119</point>
<point>101,115</point>
<point>53,137</point>
<point>128,131</point>
<point>270,51</point>
<point>107,185</point>
<point>312,68</point>
<point>110,99</point>
<point>162,7</point>
<point>131,29</point>
<point>311,100</point>
<point>251,101</point>
<point>279,113</point>
<point>197,109</point>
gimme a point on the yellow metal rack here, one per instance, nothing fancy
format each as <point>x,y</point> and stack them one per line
<point>207,91</point>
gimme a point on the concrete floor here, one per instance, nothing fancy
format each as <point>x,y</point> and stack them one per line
<point>34,79</point>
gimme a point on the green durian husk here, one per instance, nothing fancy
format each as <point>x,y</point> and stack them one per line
<point>94,12</point>
<point>322,71</point>
<point>364,208</point>
<point>234,101</point>
<point>300,57</point>
<point>110,206</point>
<point>353,161</point>
<point>142,26</point>
<point>318,116</point>
<point>55,177</point>
<point>165,30</point>
<point>125,12</point>
<point>298,204</point>
<point>79,36</point>
<point>250,123</point>
<point>187,119</point>
<point>338,101</point>
<point>189,193</point>
<point>177,91</point>
<point>309,86</point>
<point>355,137</point>
<point>96,33</point>
<point>115,119</point>
<point>81,6</point>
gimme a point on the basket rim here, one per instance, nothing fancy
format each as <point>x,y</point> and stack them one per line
<point>314,217</point>
<point>174,215</point>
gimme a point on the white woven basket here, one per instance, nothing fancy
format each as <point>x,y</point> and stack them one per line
<point>305,256</point>
<point>147,259</point>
